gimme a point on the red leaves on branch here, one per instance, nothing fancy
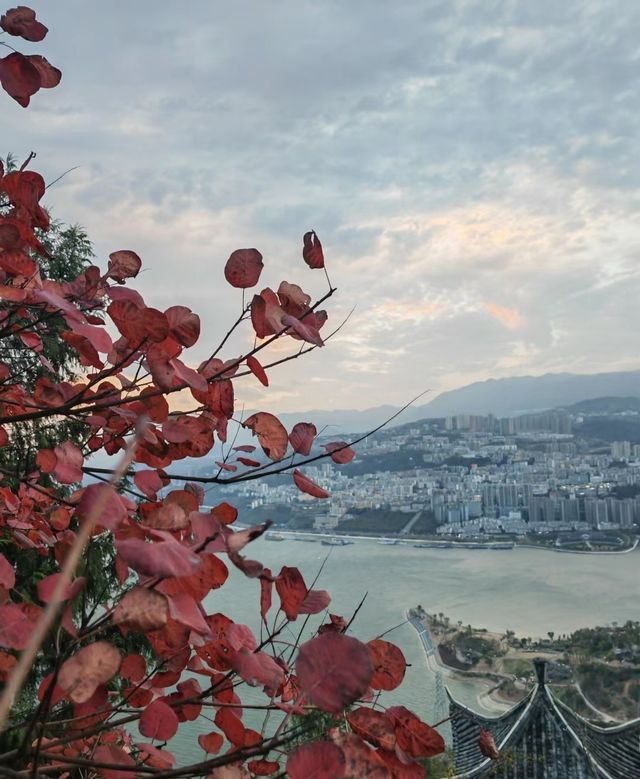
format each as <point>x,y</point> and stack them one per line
<point>487,745</point>
<point>271,434</point>
<point>243,268</point>
<point>22,75</point>
<point>334,671</point>
<point>389,665</point>
<point>89,667</point>
<point>312,252</point>
<point>158,722</point>
<point>21,21</point>
<point>166,546</point>
<point>305,484</point>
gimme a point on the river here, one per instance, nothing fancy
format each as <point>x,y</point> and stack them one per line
<point>530,591</point>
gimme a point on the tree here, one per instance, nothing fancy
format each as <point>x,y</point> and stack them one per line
<point>164,550</point>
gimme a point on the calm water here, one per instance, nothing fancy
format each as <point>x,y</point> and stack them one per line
<point>526,590</point>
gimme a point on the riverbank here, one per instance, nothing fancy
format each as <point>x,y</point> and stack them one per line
<point>596,670</point>
<point>422,542</point>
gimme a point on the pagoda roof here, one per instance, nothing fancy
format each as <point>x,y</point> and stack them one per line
<point>542,738</point>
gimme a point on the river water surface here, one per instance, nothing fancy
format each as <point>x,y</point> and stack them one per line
<point>530,591</point>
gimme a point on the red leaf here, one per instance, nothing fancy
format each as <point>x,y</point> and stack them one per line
<point>315,601</point>
<point>304,484</point>
<point>231,725</point>
<point>19,77</point>
<point>211,574</point>
<point>169,516</point>
<point>133,668</point>
<point>248,462</point>
<point>15,627</point>
<point>69,459</point>
<point>225,513</point>
<point>292,299</point>
<point>148,482</point>
<point>312,252</point>
<point>292,590</point>
<point>248,448</point>
<point>108,753</point>
<point>123,264</point>
<point>258,371</point>
<point>49,76</point>
<point>372,726</point>
<point>91,666</point>
<point>141,609</point>
<point>334,670</point>
<point>47,586</point>
<point>340,452</point>
<point>158,721</point>
<point>21,21</point>
<point>211,742</point>
<point>102,501</point>
<point>301,437</point>
<point>487,745</point>
<point>258,669</point>
<point>243,268</point>
<point>271,434</point>
<point>320,760</point>
<point>266,588</point>
<point>7,573</point>
<point>184,325</point>
<point>184,609</point>
<point>413,736</point>
<point>303,329</point>
<point>160,558</point>
<point>17,263</point>
<point>389,665</point>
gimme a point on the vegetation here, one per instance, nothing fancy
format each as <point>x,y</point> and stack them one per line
<point>114,627</point>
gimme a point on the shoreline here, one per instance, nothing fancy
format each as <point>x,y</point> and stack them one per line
<point>482,687</point>
<point>307,535</point>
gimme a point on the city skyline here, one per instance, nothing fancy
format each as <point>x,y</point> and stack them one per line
<point>468,167</point>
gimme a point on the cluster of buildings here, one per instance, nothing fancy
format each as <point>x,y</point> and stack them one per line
<point>477,475</point>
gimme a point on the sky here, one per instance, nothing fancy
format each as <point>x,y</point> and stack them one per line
<point>469,165</point>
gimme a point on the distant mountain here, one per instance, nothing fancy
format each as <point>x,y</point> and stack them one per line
<point>606,405</point>
<point>502,397</point>
<point>524,394</point>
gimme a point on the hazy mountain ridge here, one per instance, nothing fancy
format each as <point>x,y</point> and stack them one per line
<point>501,397</point>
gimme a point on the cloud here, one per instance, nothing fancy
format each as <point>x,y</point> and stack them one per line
<point>469,166</point>
<point>509,317</point>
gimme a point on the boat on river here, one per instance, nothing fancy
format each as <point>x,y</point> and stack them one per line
<point>336,541</point>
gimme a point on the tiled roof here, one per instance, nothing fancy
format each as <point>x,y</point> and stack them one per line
<point>542,738</point>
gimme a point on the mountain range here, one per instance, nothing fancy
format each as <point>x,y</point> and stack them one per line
<point>501,397</point>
